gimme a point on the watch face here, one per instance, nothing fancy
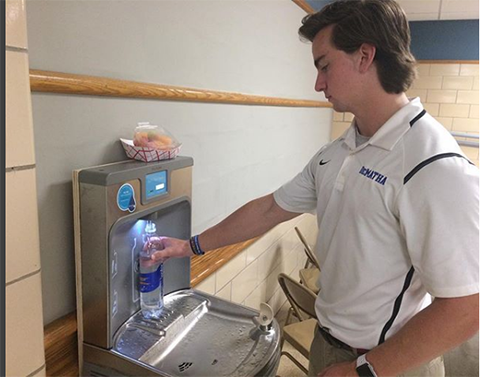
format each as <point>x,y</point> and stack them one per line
<point>365,370</point>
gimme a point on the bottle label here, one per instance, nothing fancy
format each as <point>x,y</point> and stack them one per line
<point>151,280</point>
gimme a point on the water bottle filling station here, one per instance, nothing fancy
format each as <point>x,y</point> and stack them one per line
<point>191,333</point>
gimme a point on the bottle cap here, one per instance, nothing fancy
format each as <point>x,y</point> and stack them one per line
<point>150,227</point>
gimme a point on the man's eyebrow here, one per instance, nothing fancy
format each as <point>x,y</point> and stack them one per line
<point>317,60</point>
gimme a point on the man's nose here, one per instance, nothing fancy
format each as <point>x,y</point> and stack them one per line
<point>320,83</point>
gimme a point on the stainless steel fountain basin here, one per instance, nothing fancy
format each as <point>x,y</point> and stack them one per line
<point>201,335</point>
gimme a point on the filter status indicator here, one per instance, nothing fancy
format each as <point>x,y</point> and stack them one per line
<point>156,184</point>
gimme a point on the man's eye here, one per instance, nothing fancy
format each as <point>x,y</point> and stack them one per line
<point>324,68</point>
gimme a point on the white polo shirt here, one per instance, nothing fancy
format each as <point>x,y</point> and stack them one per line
<point>397,216</point>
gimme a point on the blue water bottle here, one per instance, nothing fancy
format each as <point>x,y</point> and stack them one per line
<point>151,278</point>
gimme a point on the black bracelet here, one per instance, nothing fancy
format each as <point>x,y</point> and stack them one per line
<point>195,245</point>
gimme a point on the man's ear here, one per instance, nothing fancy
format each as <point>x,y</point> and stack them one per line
<point>366,56</point>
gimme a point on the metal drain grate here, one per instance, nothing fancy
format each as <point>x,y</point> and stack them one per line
<point>184,366</point>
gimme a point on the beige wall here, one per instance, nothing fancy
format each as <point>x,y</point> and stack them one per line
<point>24,324</point>
<point>251,277</point>
<point>449,92</point>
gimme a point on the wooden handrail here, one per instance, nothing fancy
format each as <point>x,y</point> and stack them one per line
<point>57,82</point>
<point>447,61</point>
<point>304,5</point>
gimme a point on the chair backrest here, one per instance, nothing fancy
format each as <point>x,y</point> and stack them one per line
<point>310,255</point>
<point>298,295</point>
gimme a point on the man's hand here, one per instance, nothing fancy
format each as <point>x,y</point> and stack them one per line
<point>168,248</point>
<point>347,369</point>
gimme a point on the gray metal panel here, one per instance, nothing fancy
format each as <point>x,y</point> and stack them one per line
<point>100,362</point>
<point>172,219</point>
<point>94,232</point>
<point>123,171</point>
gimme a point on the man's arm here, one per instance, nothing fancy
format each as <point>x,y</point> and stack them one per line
<point>249,221</point>
<point>443,325</point>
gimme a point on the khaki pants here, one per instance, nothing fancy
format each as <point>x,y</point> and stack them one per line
<point>323,355</point>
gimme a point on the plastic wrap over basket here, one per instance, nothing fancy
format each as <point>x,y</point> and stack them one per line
<point>147,154</point>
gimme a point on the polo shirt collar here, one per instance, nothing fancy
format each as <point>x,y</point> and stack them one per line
<point>393,129</point>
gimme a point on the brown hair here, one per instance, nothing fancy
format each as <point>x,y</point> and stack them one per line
<point>381,23</point>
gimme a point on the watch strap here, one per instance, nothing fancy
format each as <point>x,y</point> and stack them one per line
<point>364,368</point>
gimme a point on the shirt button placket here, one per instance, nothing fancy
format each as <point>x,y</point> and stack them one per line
<point>340,181</point>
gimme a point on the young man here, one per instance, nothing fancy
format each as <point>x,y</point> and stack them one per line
<point>397,207</point>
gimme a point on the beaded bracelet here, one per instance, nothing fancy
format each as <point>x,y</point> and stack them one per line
<point>195,245</point>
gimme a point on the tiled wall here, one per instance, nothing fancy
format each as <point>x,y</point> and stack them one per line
<point>24,323</point>
<point>251,277</point>
<point>449,92</point>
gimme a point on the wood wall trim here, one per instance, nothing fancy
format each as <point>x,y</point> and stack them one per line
<point>203,266</point>
<point>66,83</point>
<point>304,5</point>
<point>447,61</point>
<point>60,340</point>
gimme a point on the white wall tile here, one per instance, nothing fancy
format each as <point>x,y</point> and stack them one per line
<point>230,270</point>
<point>22,254</point>
<point>446,122</point>
<point>423,17</point>
<point>458,82</point>
<point>470,152</point>
<point>419,7</point>
<point>16,24</point>
<point>432,108</point>
<point>444,69</point>
<point>423,70</point>
<point>454,110</point>
<point>338,128</point>
<point>269,261</point>
<point>24,327</point>
<point>428,82</point>
<point>465,125</point>
<point>348,117</point>
<point>421,93</point>
<point>256,297</point>
<point>291,259</point>
<point>207,285</point>
<point>470,97</point>
<point>19,126</point>
<point>277,300</point>
<point>271,282</point>
<point>451,8</point>
<point>475,83</point>
<point>337,117</point>
<point>442,96</point>
<point>474,111</point>
<point>245,282</point>
<point>469,70</point>
<point>460,16</point>
<point>263,243</point>
<point>225,292</point>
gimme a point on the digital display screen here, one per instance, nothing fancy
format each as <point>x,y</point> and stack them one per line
<point>156,184</point>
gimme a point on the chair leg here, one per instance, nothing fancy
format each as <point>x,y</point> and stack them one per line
<point>289,314</point>
<point>295,361</point>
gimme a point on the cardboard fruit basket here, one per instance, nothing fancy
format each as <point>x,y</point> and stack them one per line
<point>148,154</point>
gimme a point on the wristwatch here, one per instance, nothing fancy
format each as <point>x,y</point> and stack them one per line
<point>364,368</point>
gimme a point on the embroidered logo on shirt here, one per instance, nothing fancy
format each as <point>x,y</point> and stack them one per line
<point>373,175</point>
<point>324,162</point>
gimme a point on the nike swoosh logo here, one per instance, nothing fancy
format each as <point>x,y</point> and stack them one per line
<point>324,162</point>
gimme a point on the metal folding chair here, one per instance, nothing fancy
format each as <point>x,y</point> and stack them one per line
<point>309,275</point>
<point>299,334</point>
